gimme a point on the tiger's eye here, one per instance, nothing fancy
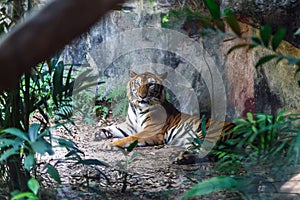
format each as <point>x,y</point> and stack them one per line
<point>150,85</point>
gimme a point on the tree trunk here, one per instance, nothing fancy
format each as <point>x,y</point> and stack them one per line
<point>17,174</point>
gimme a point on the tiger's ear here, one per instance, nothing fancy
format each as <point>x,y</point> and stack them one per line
<point>163,76</point>
<point>132,74</point>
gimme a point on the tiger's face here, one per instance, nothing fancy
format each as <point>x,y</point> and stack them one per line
<point>146,89</point>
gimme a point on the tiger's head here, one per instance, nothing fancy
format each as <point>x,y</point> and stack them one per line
<point>146,89</point>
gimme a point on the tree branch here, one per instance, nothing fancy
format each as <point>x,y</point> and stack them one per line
<point>45,33</point>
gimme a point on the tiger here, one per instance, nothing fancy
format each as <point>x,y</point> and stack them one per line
<point>152,120</point>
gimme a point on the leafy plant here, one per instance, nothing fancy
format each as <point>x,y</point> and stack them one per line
<point>27,144</point>
<point>42,94</point>
<point>122,166</point>
<point>33,186</point>
<point>84,99</point>
<point>84,105</point>
<point>267,138</point>
<point>74,155</point>
<point>119,100</point>
<point>211,185</point>
<point>101,109</point>
<point>259,140</point>
<point>36,141</point>
<point>93,164</point>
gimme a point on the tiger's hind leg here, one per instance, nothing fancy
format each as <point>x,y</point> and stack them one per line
<point>187,158</point>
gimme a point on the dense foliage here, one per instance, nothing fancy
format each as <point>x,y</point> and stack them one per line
<point>262,142</point>
<point>26,111</point>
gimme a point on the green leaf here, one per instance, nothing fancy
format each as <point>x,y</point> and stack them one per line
<point>41,146</point>
<point>8,142</point>
<point>134,156</point>
<point>211,185</point>
<point>17,132</point>
<point>27,195</point>
<point>232,22</point>
<point>33,132</point>
<point>254,129</point>
<point>8,153</point>
<point>265,59</point>
<point>296,147</point>
<point>74,152</point>
<point>280,116</point>
<point>236,47</point>
<point>239,120</point>
<point>250,117</point>
<point>132,146</point>
<point>256,41</point>
<point>52,171</point>
<point>29,161</point>
<point>69,83</point>
<point>58,82</point>
<point>33,185</point>
<point>297,32</point>
<point>203,127</point>
<point>277,38</point>
<point>54,60</point>
<point>66,143</point>
<point>220,24</point>
<point>292,60</point>
<point>92,162</point>
<point>280,58</point>
<point>2,28</point>
<point>123,150</point>
<point>213,8</point>
<point>265,34</point>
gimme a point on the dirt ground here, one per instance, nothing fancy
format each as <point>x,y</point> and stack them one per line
<point>151,175</point>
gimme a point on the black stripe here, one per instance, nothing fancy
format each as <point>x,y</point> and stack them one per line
<point>146,143</point>
<point>145,120</point>
<point>228,127</point>
<point>199,129</point>
<point>129,120</point>
<point>177,132</point>
<point>123,132</point>
<point>132,128</point>
<point>144,112</point>
<point>170,135</point>
<point>132,108</point>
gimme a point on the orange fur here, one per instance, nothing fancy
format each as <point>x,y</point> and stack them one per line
<point>152,120</point>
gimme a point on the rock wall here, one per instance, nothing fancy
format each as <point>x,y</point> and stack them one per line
<point>239,76</point>
<point>267,89</point>
<point>275,84</point>
<point>191,83</point>
<point>101,46</point>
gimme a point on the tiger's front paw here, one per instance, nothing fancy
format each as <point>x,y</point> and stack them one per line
<point>109,146</point>
<point>103,133</point>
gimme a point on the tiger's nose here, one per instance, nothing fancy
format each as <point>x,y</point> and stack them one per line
<point>142,95</point>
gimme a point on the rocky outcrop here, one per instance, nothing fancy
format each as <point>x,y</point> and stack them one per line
<point>202,80</point>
